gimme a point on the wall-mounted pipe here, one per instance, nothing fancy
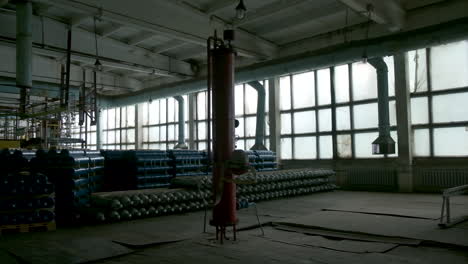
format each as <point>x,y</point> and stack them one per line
<point>384,144</point>
<point>343,53</point>
<point>260,126</point>
<point>24,51</point>
<point>181,139</point>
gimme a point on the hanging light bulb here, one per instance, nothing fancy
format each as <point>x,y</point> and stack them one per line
<point>240,10</point>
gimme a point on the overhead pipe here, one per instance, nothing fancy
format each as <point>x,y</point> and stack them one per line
<point>67,84</point>
<point>330,56</point>
<point>24,51</point>
<point>260,126</point>
<point>384,144</point>
<point>181,139</point>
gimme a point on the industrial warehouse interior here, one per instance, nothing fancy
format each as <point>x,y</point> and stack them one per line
<point>233,131</point>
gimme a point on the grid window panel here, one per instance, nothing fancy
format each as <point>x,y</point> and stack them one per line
<point>421,143</point>
<point>363,144</point>
<point>343,121</point>
<point>325,120</point>
<point>417,70</point>
<point>326,147</point>
<point>419,110</point>
<point>364,81</point>
<point>286,124</point>
<point>366,116</point>
<point>344,146</point>
<point>286,148</point>
<point>251,97</point>
<point>239,100</point>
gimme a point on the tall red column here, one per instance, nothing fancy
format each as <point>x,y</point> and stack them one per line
<point>224,211</point>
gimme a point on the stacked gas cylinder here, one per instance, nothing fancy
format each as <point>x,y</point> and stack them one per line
<point>116,206</point>
<point>188,163</point>
<point>26,196</point>
<point>76,174</point>
<point>262,160</point>
<point>137,169</point>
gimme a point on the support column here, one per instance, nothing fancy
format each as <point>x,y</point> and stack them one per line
<point>191,124</point>
<point>98,129</point>
<point>138,128</point>
<point>181,123</point>
<point>260,126</point>
<point>403,111</point>
<point>274,117</point>
<point>24,51</point>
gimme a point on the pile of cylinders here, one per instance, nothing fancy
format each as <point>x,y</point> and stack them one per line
<point>116,206</point>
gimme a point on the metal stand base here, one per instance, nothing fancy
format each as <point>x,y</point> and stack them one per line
<point>221,233</point>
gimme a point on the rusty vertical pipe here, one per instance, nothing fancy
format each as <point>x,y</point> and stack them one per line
<point>224,211</point>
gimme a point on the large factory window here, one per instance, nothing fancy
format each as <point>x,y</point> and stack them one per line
<point>85,132</point>
<point>307,111</point>
<point>438,78</point>
<point>245,112</point>
<point>118,128</point>
<point>159,120</point>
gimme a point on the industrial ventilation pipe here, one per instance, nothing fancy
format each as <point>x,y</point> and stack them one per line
<point>181,140</point>
<point>384,144</point>
<point>24,51</point>
<point>260,126</point>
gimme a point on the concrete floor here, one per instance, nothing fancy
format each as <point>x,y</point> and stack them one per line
<point>333,227</point>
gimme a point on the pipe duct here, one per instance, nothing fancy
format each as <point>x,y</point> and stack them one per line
<point>24,51</point>
<point>181,140</point>
<point>384,144</point>
<point>260,126</point>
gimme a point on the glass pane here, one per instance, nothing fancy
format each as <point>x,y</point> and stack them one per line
<point>325,120</point>
<point>240,144</point>
<point>421,143</point>
<point>450,107</point>
<point>251,97</point>
<point>144,134</point>
<point>285,124</point>
<point>111,118</point>
<point>450,142</point>
<point>343,118</point>
<point>449,65</point>
<point>363,145</point>
<point>131,135</point>
<point>171,104</point>
<point>201,145</point>
<point>342,84</point>
<point>285,93</point>
<point>104,119</point>
<point>163,110</point>
<point>250,125</point>
<point>153,134</point>
<point>286,148</point>
<point>249,143</point>
<point>344,146</point>
<point>305,148</point>
<point>304,122</point>
<point>131,116</point>
<point>303,90</point>
<point>419,110</point>
<point>239,99</point>
<point>124,136</point>
<point>366,116</point>
<point>92,139</point>
<point>323,82</point>
<point>154,113</point>
<point>239,131</point>
<point>201,130</point>
<point>111,137</point>
<point>391,75</point>
<point>123,120</point>
<point>171,132</point>
<point>201,106</point>
<point>104,137</point>
<point>163,133</point>
<point>364,81</point>
<point>392,113</point>
<point>326,147</point>
<point>117,137</point>
<point>186,107</point>
<point>117,118</point>
<point>417,69</point>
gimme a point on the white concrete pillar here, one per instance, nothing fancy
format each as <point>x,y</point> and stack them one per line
<point>274,116</point>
